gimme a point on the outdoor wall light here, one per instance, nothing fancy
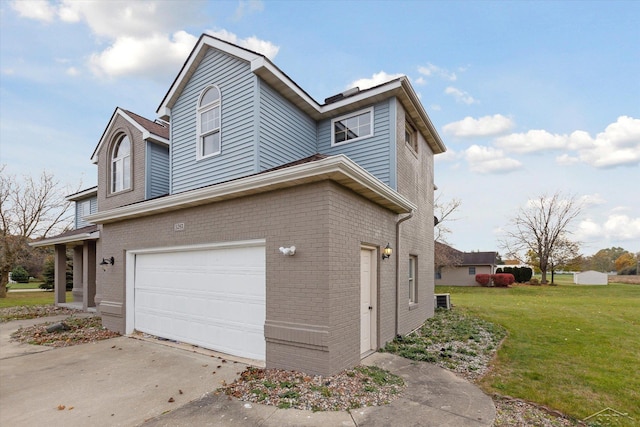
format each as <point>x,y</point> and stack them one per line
<point>288,251</point>
<point>107,261</point>
<point>387,251</point>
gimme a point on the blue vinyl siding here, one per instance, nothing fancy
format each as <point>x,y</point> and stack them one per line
<point>286,133</point>
<point>373,154</point>
<point>79,223</point>
<point>157,169</point>
<point>237,158</point>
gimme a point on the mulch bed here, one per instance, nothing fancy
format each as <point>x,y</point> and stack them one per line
<point>78,331</point>
<point>350,389</point>
<point>32,311</point>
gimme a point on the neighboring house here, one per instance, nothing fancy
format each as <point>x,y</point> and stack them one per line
<point>257,167</point>
<point>467,265</point>
<point>590,277</point>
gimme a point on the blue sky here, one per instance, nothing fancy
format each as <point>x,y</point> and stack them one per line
<point>530,98</point>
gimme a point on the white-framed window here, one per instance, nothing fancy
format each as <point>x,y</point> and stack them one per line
<point>208,112</point>
<point>85,208</point>
<point>472,271</point>
<point>411,136</point>
<point>121,165</point>
<point>413,263</point>
<point>352,127</point>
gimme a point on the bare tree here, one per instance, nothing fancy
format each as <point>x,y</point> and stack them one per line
<point>32,209</point>
<point>542,227</point>
<point>444,211</point>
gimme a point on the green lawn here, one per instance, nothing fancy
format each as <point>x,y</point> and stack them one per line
<point>30,285</point>
<point>572,348</point>
<point>30,298</point>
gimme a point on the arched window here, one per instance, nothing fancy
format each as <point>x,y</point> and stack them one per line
<point>209,122</point>
<point>121,165</point>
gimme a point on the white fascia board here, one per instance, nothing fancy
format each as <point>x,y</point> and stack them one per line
<point>362,96</point>
<point>406,85</point>
<point>335,164</point>
<point>93,191</point>
<point>262,62</point>
<point>121,112</point>
<point>67,239</point>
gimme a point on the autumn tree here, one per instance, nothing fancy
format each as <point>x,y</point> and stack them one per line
<point>625,261</point>
<point>542,226</point>
<point>604,260</point>
<point>30,209</point>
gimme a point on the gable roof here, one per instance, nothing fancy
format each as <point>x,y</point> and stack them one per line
<point>278,80</point>
<point>469,258</point>
<point>149,129</point>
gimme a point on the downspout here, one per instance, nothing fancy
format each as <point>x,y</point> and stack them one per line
<point>401,220</point>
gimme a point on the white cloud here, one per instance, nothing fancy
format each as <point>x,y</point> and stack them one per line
<point>532,141</point>
<point>460,95</point>
<point>420,81</point>
<point>431,70</point>
<point>375,80</point>
<point>156,54</point>
<point>40,10</point>
<point>483,126</point>
<point>72,71</point>
<point>592,200</point>
<point>253,43</point>
<point>246,7</point>
<point>448,156</point>
<point>490,160</point>
<point>618,145</point>
<point>615,227</point>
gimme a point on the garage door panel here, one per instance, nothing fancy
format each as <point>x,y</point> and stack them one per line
<point>214,298</point>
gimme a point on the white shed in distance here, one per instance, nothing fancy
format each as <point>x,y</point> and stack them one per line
<point>590,278</point>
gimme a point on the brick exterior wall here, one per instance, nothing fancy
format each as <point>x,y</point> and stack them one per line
<point>313,300</point>
<point>415,181</point>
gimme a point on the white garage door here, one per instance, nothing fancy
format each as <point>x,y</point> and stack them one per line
<point>213,298</point>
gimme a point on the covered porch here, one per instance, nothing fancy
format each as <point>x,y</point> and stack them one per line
<point>83,242</point>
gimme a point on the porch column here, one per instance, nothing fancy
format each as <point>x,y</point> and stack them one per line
<point>60,273</point>
<point>89,274</point>
<point>78,274</point>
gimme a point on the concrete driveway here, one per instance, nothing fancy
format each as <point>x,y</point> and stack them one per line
<point>117,382</point>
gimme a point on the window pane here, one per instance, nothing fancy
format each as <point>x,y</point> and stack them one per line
<point>211,144</point>
<point>210,96</point>
<point>124,148</point>
<point>117,183</point>
<point>126,172</point>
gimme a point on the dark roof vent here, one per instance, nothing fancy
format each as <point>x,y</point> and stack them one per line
<point>345,94</point>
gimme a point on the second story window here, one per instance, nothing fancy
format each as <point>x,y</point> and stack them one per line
<point>121,165</point>
<point>209,122</point>
<point>352,127</point>
<point>411,136</point>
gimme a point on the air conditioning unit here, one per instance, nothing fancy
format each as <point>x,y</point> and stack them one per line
<point>442,301</point>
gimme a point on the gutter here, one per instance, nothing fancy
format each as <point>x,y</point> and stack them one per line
<point>401,220</point>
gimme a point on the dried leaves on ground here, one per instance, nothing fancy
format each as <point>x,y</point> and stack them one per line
<point>350,389</point>
<point>32,311</point>
<point>76,331</point>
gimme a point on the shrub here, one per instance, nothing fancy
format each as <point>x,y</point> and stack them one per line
<point>503,279</point>
<point>534,282</point>
<point>483,279</point>
<point>527,274</point>
<point>499,270</point>
<point>19,274</point>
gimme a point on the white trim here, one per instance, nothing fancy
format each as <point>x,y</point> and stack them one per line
<point>369,110</point>
<point>145,133</point>
<point>334,167</point>
<point>130,273</point>
<point>95,235</point>
<point>93,191</point>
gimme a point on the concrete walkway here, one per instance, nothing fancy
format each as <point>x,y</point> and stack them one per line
<point>129,382</point>
<point>433,397</point>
